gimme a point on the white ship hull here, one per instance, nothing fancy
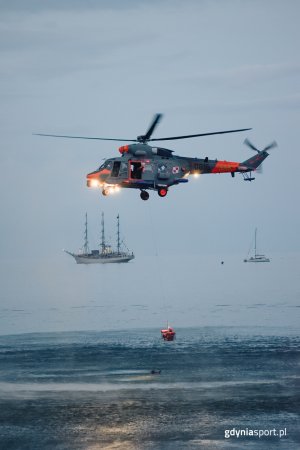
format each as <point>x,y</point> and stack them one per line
<point>101,259</point>
<point>257,260</point>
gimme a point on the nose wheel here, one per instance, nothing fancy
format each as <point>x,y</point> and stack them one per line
<point>144,195</point>
<point>105,192</point>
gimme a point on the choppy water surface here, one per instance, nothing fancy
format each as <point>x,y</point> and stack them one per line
<point>95,390</point>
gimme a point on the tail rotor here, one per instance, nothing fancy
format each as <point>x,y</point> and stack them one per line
<point>267,148</point>
<point>255,162</point>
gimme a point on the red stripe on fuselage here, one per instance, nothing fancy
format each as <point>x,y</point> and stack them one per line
<point>225,166</point>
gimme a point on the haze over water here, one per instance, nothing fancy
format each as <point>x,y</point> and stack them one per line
<point>187,290</point>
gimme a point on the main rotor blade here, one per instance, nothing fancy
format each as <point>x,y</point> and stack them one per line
<point>272,145</point>
<point>152,127</point>
<point>196,135</point>
<point>145,138</point>
<point>84,137</point>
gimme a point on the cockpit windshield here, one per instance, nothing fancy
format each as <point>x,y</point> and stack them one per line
<point>106,165</point>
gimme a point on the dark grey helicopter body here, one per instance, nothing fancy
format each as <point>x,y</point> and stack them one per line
<point>144,167</point>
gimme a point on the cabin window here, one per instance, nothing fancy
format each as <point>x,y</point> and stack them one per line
<point>123,170</point>
<point>116,169</point>
<point>136,170</point>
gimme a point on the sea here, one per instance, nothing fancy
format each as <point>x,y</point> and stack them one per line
<point>218,388</point>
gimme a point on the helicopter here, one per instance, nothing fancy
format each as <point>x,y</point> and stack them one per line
<point>144,167</point>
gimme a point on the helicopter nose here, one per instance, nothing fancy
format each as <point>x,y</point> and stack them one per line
<point>92,179</point>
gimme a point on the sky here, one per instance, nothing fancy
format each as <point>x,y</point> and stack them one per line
<point>104,68</point>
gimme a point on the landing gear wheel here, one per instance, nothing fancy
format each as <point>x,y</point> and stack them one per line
<point>105,192</point>
<point>162,192</point>
<point>144,195</point>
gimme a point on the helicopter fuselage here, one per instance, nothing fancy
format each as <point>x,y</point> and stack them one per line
<point>154,168</point>
<point>144,167</point>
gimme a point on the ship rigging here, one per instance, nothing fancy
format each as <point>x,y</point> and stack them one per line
<point>106,254</point>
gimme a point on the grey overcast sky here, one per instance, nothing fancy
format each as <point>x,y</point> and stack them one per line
<point>104,68</point>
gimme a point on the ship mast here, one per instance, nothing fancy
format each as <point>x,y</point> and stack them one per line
<point>102,234</point>
<point>118,234</point>
<point>255,242</point>
<point>86,242</point>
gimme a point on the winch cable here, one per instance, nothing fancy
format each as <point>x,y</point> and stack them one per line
<point>157,257</point>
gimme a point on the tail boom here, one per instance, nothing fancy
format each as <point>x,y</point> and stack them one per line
<point>249,165</point>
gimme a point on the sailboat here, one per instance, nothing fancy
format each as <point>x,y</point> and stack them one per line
<point>106,254</point>
<point>257,257</point>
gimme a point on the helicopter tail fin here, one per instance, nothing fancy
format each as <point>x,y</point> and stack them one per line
<point>255,161</point>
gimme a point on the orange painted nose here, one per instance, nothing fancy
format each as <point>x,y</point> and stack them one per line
<point>93,175</point>
<point>92,179</point>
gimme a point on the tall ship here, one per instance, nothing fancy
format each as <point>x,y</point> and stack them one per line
<point>105,254</point>
<point>256,257</point>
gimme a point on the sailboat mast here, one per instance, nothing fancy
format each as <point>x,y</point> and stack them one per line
<point>86,242</point>
<point>102,234</point>
<point>255,242</point>
<point>118,234</point>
